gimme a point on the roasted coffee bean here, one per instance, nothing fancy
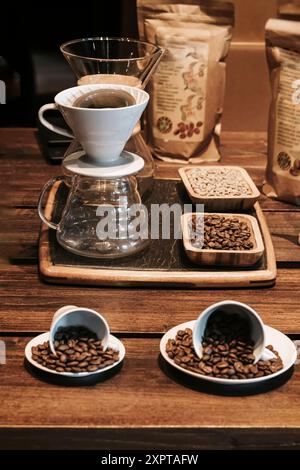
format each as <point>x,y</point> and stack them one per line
<point>185,359</point>
<point>238,366</point>
<point>222,365</point>
<point>69,351</point>
<point>253,369</point>
<point>227,350</point>
<point>108,363</point>
<point>95,361</point>
<point>73,363</point>
<point>50,361</point>
<point>63,358</point>
<point>208,350</point>
<point>93,352</point>
<point>83,364</point>
<point>83,356</point>
<point>61,364</point>
<point>215,359</point>
<point>77,350</point>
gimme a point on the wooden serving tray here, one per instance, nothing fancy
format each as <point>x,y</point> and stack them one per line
<point>164,263</point>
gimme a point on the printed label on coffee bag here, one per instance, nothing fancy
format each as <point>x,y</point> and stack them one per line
<point>179,93</point>
<point>287,138</point>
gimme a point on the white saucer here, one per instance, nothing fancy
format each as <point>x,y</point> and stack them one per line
<point>128,164</point>
<point>113,343</point>
<point>281,343</point>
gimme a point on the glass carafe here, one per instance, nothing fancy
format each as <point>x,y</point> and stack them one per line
<point>102,218</point>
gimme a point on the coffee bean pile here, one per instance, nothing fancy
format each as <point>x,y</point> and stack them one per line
<point>77,350</point>
<point>220,233</point>
<point>218,182</point>
<point>227,351</point>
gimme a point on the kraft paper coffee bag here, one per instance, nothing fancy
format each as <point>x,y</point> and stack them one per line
<point>283,56</point>
<point>187,90</point>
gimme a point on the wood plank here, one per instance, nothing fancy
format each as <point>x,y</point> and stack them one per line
<point>140,396</point>
<point>285,228</point>
<point>19,234</point>
<point>150,437</point>
<point>20,230</point>
<point>27,304</point>
<point>24,169</point>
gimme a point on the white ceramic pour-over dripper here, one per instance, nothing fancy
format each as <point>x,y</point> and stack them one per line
<point>104,132</point>
<point>70,315</point>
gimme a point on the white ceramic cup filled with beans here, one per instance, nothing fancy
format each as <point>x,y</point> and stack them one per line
<point>247,314</point>
<point>72,316</point>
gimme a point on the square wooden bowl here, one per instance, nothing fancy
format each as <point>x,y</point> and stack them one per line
<point>221,203</point>
<point>230,258</point>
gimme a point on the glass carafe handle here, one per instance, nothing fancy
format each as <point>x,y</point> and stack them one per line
<point>41,198</point>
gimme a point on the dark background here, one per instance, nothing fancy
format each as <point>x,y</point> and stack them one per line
<point>34,70</point>
<point>31,64</point>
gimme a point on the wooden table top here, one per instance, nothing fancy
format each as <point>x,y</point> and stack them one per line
<point>143,406</point>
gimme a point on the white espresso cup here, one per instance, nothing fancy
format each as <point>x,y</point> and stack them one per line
<point>256,327</point>
<point>102,132</point>
<point>70,316</point>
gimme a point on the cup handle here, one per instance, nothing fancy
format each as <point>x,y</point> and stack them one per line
<point>41,198</point>
<point>267,355</point>
<point>52,127</point>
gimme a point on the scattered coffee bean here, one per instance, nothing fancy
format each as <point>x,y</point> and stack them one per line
<point>77,350</point>
<point>223,333</point>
